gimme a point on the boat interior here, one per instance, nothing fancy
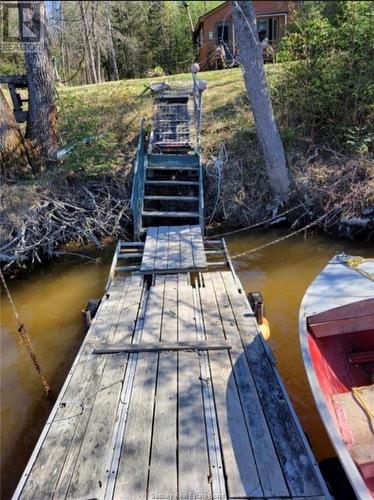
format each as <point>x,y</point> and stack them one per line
<point>341,343</point>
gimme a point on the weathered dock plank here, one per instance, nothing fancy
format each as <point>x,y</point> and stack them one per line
<point>162,249</point>
<point>265,455</point>
<point>150,248</point>
<point>186,248</point>
<point>66,424</point>
<point>163,473</point>
<point>90,474</point>
<point>176,249</point>
<point>164,422</point>
<point>297,462</point>
<point>132,474</point>
<point>240,467</point>
<point>193,462</point>
<point>162,346</point>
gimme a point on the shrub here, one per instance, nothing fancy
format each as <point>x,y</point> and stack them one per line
<point>326,90</point>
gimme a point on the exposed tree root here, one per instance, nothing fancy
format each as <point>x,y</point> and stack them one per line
<point>39,218</point>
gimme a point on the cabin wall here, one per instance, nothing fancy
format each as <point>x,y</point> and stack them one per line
<point>208,35</point>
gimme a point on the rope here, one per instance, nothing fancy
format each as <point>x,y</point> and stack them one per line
<point>25,338</point>
<point>356,392</point>
<point>354,262</point>
<point>252,226</point>
<point>278,240</point>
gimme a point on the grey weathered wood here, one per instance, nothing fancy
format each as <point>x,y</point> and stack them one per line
<point>178,248</point>
<point>240,466</point>
<point>14,96</point>
<point>75,477</point>
<point>215,252</point>
<point>217,478</point>
<point>172,183</point>
<point>14,79</point>
<point>198,252</point>
<point>129,255</point>
<point>123,409</point>
<point>126,269</point>
<point>265,455</point>
<point>91,471</point>
<point>172,167</point>
<point>131,244</point>
<point>294,458</point>
<point>218,264</point>
<point>214,345</point>
<point>154,213</point>
<point>50,461</point>
<point>193,460</point>
<point>74,405</point>
<point>163,473</point>
<point>162,251</point>
<point>172,198</point>
<point>174,260</point>
<point>186,248</point>
<point>132,475</point>
<point>149,249</point>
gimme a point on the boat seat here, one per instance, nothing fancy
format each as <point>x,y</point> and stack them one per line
<point>361,357</point>
<point>354,414</point>
<point>355,317</point>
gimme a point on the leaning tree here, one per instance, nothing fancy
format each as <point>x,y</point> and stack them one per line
<point>251,59</point>
<point>13,154</point>
<point>41,130</point>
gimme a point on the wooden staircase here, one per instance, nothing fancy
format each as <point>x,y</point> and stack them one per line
<point>170,171</point>
<point>172,190</point>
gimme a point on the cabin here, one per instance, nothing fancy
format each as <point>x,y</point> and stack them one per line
<point>215,30</point>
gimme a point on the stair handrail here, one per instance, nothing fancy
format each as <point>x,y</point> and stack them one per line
<point>137,193</point>
<point>197,90</point>
<point>197,100</point>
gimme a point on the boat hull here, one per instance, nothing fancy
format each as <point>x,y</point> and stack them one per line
<point>336,322</point>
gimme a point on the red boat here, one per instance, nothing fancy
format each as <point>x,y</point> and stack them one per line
<point>336,326</point>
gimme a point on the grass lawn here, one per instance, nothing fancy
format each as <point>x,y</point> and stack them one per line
<point>236,192</point>
<point>111,113</point>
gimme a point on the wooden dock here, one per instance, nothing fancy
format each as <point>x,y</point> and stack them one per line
<point>174,393</point>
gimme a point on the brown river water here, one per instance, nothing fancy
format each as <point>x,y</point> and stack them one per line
<point>50,300</point>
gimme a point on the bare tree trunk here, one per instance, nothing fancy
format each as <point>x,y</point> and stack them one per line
<point>67,61</point>
<point>13,153</point>
<point>250,56</point>
<point>98,63</point>
<point>185,5</point>
<point>91,57</point>
<point>62,44</point>
<point>41,131</point>
<point>66,49</point>
<point>96,42</point>
<point>112,55</point>
<point>87,72</point>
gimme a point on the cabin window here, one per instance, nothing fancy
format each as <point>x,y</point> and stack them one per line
<point>222,33</point>
<point>273,29</point>
<point>200,39</point>
<point>267,28</point>
<point>210,35</point>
